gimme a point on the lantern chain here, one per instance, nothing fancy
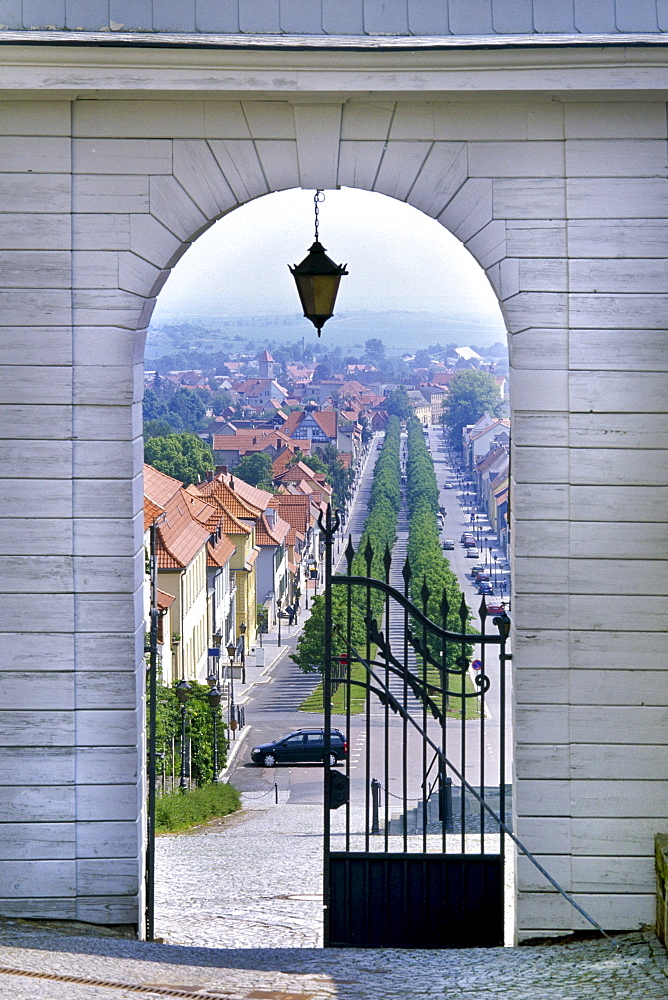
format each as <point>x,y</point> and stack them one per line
<point>318,199</point>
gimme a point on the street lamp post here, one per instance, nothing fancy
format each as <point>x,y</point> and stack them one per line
<point>214,703</point>
<point>242,632</point>
<point>183,690</point>
<point>232,715</point>
<point>279,616</point>
<point>495,562</point>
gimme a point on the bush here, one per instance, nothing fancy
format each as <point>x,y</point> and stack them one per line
<point>180,811</point>
<point>199,731</point>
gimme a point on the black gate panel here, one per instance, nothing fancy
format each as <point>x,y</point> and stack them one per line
<point>415,826</point>
<point>415,900</point>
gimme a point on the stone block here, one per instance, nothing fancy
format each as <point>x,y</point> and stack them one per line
<point>399,168</point>
<point>270,119</point>
<point>25,193</point>
<point>110,727</point>
<point>428,17</point>
<point>44,14</point>
<point>617,392</point>
<point>516,160</point>
<point>442,174</point>
<point>470,210</point>
<point>595,612</point>
<point>104,193</point>
<point>343,17</point>
<point>241,167</point>
<point>317,128</point>
<point>216,16</point>
<point>175,209</point>
<point>122,156</point>
<point>259,16</point>
<point>366,121</point>
<point>87,15</point>
<point>279,163</point>
<point>37,784</point>
<point>636,15</point>
<point>541,349</point>
<point>101,232</point>
<point>359,163</point>
<point>386,17</point>
<point>45,652</point>
<point>54,878</point>
<point>300,17</point>
<point>471,17</point>
<point>488,246</point>
<point>25,231</point>
<point>588,541</point>
<point>117,876</point>
<point>11,15</point>
<point>39,841</point>
<point>595,16</point>
<point>170,16</point>
<point>545,538</point>
<point>538,390</point>
<point>198,171</point>
<point>38,461</point>
<point>533,198</point>
<point>511,17</point>
<point>131,15</point>
<point>116,802</point>
<point>553,16</point>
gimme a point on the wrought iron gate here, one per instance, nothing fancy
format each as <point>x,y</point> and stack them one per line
<point>413,851</point>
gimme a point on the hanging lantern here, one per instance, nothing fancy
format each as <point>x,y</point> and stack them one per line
<point>317,278</point>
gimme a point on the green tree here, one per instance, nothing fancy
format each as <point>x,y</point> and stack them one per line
<point>375,348</point>
<point>189,406</point>
<point>154,405</point>
<point>398,404</point>
<point>471,394</point>
<point>183,456</point>
<point>255,469</point>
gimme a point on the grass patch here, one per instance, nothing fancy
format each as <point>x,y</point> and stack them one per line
<point>180,811</point>
<point>314,702</point>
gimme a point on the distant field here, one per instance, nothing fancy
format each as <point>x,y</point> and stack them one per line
<point>348,331</point>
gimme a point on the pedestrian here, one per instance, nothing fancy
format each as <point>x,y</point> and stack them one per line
<point>291,614</point>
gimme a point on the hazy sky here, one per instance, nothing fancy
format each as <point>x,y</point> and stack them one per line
<point>398,259</point>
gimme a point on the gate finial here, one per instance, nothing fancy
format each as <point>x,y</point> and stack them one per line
<point>350,554</point>
<point>387,562</point>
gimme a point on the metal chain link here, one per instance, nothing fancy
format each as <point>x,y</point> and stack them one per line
<point>318,199</point>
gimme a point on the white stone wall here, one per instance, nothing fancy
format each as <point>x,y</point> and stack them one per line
<point>339,17</point>
<point>563,202</point>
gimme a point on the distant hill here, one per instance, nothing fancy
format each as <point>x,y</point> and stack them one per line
<point>399,331</point>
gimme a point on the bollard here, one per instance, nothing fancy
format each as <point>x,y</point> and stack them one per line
<point>375,800</point>
<point>275,793</point>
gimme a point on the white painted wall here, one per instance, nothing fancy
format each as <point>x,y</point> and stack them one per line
<point>563,200</point>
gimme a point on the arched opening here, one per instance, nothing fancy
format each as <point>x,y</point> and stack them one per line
<point>416,311</point>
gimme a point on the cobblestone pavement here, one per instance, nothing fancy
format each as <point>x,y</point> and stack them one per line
<point>239,908</point>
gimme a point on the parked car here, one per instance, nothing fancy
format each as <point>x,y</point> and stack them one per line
<point>478,568</point>
<point>301,747</point>
<point>448,486</point>
<point>472,552</point>
<point>485,588</point>
<point>469,543</point>
<point>449,543</point>
<point>480,576</point>
<point>494,608</point>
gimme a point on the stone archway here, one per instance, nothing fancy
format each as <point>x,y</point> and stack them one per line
<point>561,201</point>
